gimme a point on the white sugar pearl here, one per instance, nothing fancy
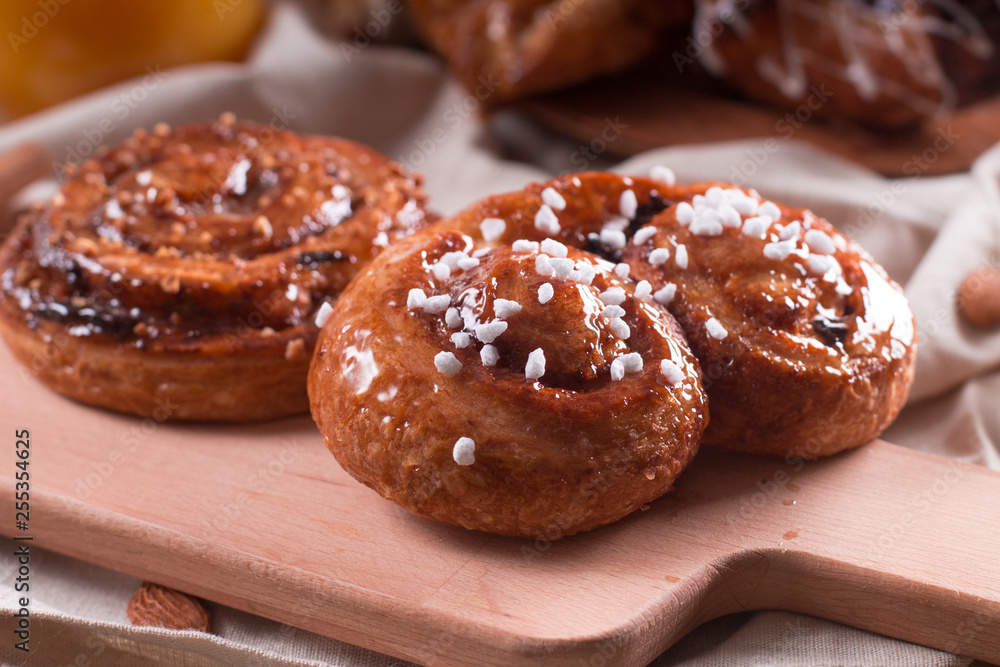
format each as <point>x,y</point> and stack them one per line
<point>553,199</point>
<point>524,245</point>
<point>543,265</point>
<point>323,314</point>
<point>546,220</point>
<point>464,452</point>
<point>715,329</point>
<point>632,362</point>
<point>614,239</point>
<point>729,216</point>
<point>535,368</point>
<point>554,248</point>
<point>492,228</point>
<point>643,289</point>
<point>671,371</point>
<point>617,370</point>
<point>644,235</point>
<point>622,270</point>
<point>820,242</point>
<point>665,294</point>
<point>437,304</point>
<point>619,328</point>
<point>453,318</point>
<point>822,264</point>
<point>489,331</point>
<point>613,296</point>
<point>744,204</point>
<point>685,213</point>
<point>545,293</point>
<point>618,222</point>
<point>706,223</point>
<point>770,209</point>
<point>447,363</point>
<point>489,355</point>
<point>681,256</point>
<point>790,231</point>
<point>440,271</point>
<point>461,340</point>
<point>561,266</point>
<point>415,298</point>
<point>504,308</point>
<point>628,205</point>
<point>779,250</point>
<point>612,311</point>
<point>658,256</point>
<point>451,258</point>
<point>756,227</point>
<point>585,272</point>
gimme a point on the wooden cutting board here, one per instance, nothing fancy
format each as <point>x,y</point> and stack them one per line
<point>261,518</point>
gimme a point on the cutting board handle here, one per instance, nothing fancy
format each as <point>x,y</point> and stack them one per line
<point>884,538</point>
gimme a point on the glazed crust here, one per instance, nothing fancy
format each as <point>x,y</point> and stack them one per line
<point>569,451</point>
<point>506,49</point>
<point>179,273</point>
<point>816,348</point>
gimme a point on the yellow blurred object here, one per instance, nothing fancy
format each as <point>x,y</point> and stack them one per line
<point>56,49</point>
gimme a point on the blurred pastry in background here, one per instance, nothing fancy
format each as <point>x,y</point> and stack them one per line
<point>59,49</point>
<point>887,63</point>
<point>506,49</point>
<point>878,63</point>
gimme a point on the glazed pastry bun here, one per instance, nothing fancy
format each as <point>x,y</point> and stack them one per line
<point>489,373</point>
<point>178,275</point>
<point>806,345</point>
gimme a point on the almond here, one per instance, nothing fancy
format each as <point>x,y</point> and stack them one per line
<point>978,297</point>
<point>162,607</point>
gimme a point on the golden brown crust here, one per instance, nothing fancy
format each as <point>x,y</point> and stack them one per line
<point>568,451</point>
<point>814,344</point>
<point>185,267</point>
<point>506,49</point>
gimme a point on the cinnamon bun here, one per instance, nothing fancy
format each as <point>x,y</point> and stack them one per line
<point>178,274</point>
<point>489,373</point>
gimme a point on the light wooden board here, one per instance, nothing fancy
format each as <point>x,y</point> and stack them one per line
<point>260,517</point>
<point>661,108</point>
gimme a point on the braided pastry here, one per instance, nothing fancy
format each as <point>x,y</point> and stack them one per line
<point>178,274</point>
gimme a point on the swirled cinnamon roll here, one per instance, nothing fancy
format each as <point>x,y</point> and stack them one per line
<point>489,373</point>
<point>178,274</point>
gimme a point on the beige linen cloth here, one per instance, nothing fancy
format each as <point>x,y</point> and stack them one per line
<point>929,233</point>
